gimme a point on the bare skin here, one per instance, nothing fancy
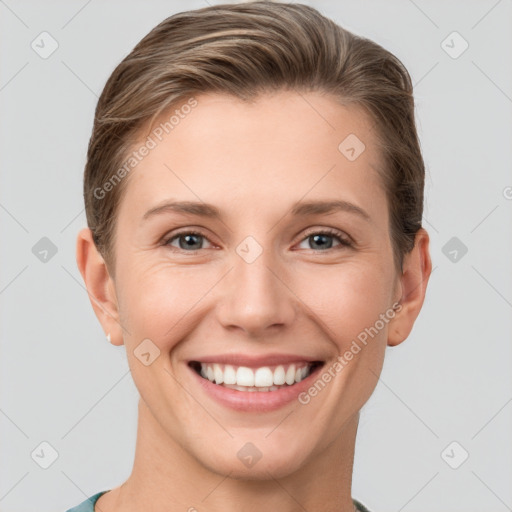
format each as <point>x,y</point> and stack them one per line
<point>253,162</point>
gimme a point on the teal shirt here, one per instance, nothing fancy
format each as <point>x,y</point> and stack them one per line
<point>88,504</point>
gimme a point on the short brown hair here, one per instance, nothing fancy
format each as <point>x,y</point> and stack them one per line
<point>243,50</point>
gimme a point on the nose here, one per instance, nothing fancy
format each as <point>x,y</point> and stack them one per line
<point>256,298</point>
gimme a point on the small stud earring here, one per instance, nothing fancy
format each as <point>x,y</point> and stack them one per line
<point>108,337</point>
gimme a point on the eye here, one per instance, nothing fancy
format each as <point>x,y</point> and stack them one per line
<point>191,241</point>
<point>323,239</point>
<point>188,241</point>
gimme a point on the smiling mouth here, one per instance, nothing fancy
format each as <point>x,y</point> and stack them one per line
<point>261,379</point>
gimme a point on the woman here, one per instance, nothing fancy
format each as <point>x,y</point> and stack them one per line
<point>254,196</point>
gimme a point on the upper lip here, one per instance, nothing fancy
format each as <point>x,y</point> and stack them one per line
<point>255,361</point>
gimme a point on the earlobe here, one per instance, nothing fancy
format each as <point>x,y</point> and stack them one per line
<point>414,279</point>
<point>100,286</point>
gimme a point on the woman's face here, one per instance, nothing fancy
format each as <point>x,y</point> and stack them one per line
<point>264,284</point>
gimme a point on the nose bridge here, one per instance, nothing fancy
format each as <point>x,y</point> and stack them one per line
<point>256,298</point>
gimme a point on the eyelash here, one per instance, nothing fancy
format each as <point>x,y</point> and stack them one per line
<point>344,241</point>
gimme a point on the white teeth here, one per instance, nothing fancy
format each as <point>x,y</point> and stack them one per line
<point>290,375</point>
<point>252,388</point>
<point>279,376</point>
<point>263,379</point>
<point>229,375</point>
<point>218,373</point>
<point>244,376</point>
<point>300,374</point>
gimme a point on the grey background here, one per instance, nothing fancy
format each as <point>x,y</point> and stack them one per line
<point>62,383</point>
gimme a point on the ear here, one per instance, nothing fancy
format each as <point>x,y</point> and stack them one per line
<point>100,286</point>
<point>417,268</point>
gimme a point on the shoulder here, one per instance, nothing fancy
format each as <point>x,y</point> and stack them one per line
<point>359,506</point>
<point>88,504</point>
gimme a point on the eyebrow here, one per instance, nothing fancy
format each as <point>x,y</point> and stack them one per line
<point>323,207</point>
<point>299,209</point>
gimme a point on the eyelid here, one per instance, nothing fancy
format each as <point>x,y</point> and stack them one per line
<point>166,239</point>
<point>344,237</point>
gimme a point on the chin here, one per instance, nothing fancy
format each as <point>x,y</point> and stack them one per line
<point>260,459</point>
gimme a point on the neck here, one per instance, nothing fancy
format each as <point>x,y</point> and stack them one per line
<point>165,477</point>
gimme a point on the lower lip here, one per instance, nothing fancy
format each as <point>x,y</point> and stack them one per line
<point>255,401</point>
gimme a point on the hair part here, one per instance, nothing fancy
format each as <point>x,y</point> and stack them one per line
<point>246,50</point>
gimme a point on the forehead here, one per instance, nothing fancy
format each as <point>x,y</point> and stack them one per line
<point>277,145</point>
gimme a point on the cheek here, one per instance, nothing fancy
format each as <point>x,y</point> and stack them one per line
<point>159,300</point>
<point>347,299</point>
